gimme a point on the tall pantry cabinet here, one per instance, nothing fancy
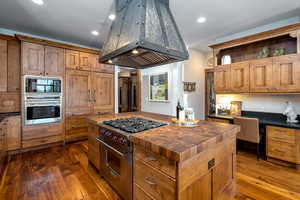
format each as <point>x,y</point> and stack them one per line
<point>89,90</point>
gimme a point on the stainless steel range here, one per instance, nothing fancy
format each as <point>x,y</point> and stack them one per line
<point>116,151</point>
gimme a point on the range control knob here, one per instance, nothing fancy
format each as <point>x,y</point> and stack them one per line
<point>115,139</point>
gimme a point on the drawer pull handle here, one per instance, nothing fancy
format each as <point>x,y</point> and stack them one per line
<point>151,158</point>
<point>280,151</point>
<point>150,182</point>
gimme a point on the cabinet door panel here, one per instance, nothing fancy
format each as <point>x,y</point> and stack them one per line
<point>54,61</point>
<point>103,91</point>
<point>72,59</point>
<point>99,67</point>
<point>239,77</point>
<point>261,75</point>
<point>13,66</point>
<point>78,92</point>
<point>32,59</point>
<point>287,73</point>
<point>222,79</point>
<point>223,179</point>
<point>10,102</point>
<point>3,65</point>
<point>13,133</point>
<point>86,61</point>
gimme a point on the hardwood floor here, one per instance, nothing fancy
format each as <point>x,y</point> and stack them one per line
<point>64,174</point>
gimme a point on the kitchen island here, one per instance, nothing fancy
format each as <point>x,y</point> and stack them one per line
<point>171,162</point>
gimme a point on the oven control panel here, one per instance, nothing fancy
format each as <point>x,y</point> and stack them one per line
<point>113,137</point>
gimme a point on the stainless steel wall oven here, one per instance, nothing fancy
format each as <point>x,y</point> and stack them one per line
<point>42,100</point>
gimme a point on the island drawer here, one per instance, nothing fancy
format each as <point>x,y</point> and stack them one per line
<point>281,134</point>
<point>140,194</point>
<point>154,160</point>
<point>158,185</point>
<point>281,150</point>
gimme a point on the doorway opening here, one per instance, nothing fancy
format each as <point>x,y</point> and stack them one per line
<point>129,90</point>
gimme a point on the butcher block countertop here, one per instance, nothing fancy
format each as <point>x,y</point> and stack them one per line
<point>171,141</point>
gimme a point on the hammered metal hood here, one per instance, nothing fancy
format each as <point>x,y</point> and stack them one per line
<point>144,34</point>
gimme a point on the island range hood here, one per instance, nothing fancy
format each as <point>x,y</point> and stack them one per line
<point>143,34</point>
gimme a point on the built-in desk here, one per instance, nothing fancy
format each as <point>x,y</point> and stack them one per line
<point>272,119</point>
<point>280,139</point>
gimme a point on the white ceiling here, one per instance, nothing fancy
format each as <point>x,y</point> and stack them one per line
<point>73,20</point>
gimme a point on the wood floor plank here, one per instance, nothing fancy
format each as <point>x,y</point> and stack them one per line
<point>63,173</point>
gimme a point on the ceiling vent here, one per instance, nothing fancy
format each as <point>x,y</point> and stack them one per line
<point>143,34</point>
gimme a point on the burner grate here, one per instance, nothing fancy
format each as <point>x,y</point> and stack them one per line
<point>134,124</point>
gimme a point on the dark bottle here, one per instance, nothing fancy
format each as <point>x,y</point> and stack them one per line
<point>178,109</point>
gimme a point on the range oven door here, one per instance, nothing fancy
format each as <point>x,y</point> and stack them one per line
<point>116,168</point>
<point>41,114</point>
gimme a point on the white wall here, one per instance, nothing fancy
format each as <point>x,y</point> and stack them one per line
<point>265,103</point>
<point>189,71</point>
<point>167,108</point>
<point>194,71</point>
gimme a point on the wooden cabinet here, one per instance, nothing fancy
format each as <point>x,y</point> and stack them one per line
<point>80,60</point>
<point>222,79</point>
<point>76,127</point>
<point>54,61</point>
<point>78,92</point>
<point>86,61</point>
<point>99,67</point>
<point>33,56</point>
<point>94,147</point>
<point>13,66</point>
<point>33,136</point>
<point>209,175</point>
<point>13,133</point>
<point>261,75</point>
<point>283,144</point>
<point>72,59</point>
<point>103,92</point>
<point>42,60</point>
<point>239,77</point>
<point>10,102</point>
<point>3,65</point>
<point>286,73</point>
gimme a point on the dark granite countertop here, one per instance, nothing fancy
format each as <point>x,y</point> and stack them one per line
<point>273,119</point>
<point>4,115</point>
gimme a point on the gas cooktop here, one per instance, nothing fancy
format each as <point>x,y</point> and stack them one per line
<point>134,124</point>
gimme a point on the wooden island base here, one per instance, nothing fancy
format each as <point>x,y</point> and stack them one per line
<point>208,175</point>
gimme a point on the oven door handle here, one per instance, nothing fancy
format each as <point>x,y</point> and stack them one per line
<point>111,148</point>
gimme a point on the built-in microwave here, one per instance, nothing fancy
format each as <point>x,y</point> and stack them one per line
<point>42,85</point>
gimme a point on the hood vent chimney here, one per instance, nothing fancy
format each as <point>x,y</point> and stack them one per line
<point>144,34</point>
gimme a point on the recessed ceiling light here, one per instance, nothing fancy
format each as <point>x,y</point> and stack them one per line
<point>95,33</point>
<point>112,17</point>
<point>38,2</point>
<point>201,20</point>
<point>110,61</point>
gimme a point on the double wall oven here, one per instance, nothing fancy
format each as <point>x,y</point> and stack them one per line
<point>42,100</point>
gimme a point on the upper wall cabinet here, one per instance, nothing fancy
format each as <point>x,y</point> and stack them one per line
<point>99,67</point>
<point>239,77</point>
<point>3,65</point>
<point>72,59</point>
<point>42,60</point>
<point>261,75</point>
<point>272,57</point>
<point>33,62</point>
<point>54,61</point>
<point>286,73</point>
<point>80,60</point>
<point>222,79</point>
